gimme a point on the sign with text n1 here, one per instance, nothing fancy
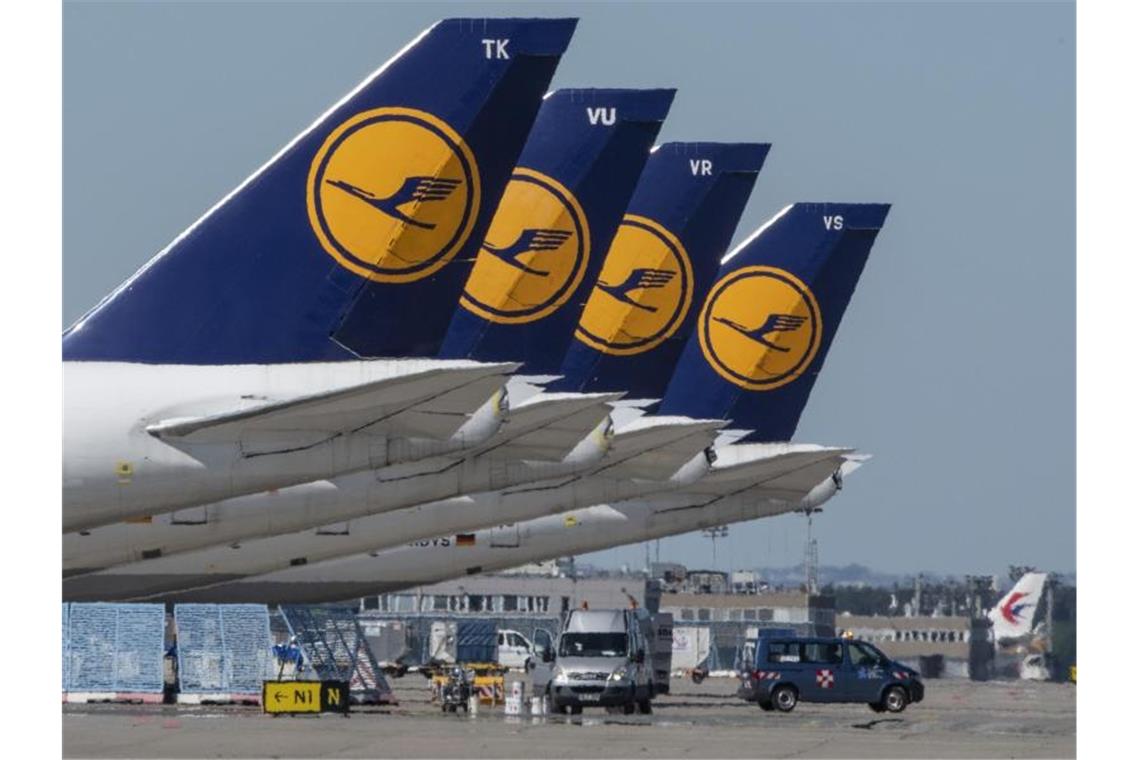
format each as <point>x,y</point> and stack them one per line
<point>300,697</point>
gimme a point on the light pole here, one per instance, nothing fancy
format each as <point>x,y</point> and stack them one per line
<point>713,533</point>
<point>811,555</point>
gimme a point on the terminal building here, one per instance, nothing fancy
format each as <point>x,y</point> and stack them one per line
<point>714,613</point>
<point>936,645</point>
<point>516,594</point>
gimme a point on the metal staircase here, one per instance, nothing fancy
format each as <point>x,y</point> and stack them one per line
<point>336,649</point>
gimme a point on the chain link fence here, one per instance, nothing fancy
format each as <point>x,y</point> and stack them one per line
<point>113,648</point>
<point>223,648</point>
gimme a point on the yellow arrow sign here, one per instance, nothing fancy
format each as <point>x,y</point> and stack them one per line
<point>293,697</point>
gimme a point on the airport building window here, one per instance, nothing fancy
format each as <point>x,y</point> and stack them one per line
<point>510,603</point>
<point>703,614</point>
<point>749,614</point>
<point>686,613</point>
<point>370,602</point>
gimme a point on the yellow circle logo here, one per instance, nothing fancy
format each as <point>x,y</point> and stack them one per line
<point>643,292</point>
<point>760,328</point>
<point>393,194</point>
<point>534,255</point>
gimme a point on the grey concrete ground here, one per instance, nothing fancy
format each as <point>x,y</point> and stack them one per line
<point>957,719</point>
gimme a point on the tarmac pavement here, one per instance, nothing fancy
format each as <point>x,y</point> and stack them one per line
<point>958,718</point>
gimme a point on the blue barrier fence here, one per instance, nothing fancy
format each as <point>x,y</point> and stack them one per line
<point>113,647</point>
<point>66,647</point>
<point>223,648</point>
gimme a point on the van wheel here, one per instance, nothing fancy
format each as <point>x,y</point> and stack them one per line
<point>765,704</point>
<point>575,709</point>
<point>628,708</point>
<point>876,707</point>
<point>645,707</point>
<point>784,697</point>
<point>895,699</point>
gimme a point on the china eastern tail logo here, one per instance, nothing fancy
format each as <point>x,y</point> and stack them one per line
<point>643,292</point>
<point>534,254</point>
<point>760,328</point>
<point>393,194</point>
<point>1011,610</point>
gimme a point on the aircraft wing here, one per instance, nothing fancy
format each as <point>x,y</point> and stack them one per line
<point>398,405</point>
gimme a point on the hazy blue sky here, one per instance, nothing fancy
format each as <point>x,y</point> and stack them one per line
<point>954,365</point>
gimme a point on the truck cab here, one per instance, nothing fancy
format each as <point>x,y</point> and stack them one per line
<point>787,670</point>
<point>603,658</point>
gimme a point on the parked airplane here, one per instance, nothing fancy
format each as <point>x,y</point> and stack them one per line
<point>1021,649</point>
<point>230,362</point>
<point>678,467</point>
<point>667,200</point>
<point>1012,617</point>
<point>571,174</point>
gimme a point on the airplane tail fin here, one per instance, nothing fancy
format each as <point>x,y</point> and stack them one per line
<point>325,251</point>
<point>660,266</point>
<point>554,223</point>
<point>769,319</point>
<point>1012,617</point>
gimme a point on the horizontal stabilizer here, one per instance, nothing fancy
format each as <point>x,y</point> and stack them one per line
<point>440,417</point>
<point>781,470</point>
<point>375,405</point>
<point>555,423</point>
<point>656,447</point>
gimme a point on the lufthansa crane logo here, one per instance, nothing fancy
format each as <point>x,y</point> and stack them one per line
<point>643,292</point>
<point>760,328</point>
<point>534,255</point>
<point>393,194</point>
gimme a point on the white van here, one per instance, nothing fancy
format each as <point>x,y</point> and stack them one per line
<point>516,650</point>
<point>603,658</point>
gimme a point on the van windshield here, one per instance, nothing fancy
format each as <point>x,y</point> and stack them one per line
<point>593,645</point>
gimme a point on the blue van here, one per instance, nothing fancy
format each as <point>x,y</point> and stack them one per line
<point>790,669</point>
